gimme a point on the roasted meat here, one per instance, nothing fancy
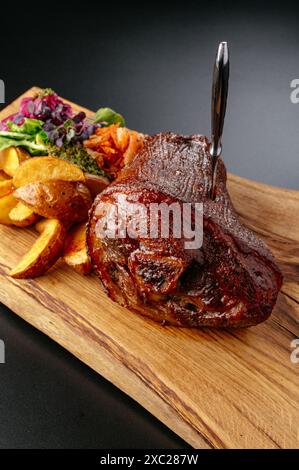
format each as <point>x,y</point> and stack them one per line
<point>231,280</point>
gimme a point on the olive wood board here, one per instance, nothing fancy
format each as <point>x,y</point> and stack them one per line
<point>214,388</point>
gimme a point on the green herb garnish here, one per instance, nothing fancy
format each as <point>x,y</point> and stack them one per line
<point>78,155</point>
<point>44,92</point>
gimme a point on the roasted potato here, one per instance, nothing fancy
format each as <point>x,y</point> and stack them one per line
<point>7,203</point>
<point>75,250</point>
<point>96,184</point>
<point>45,251</point>
<point>64,200</point>
<point>22,216</point>
<point>3,176</point>
<point>39,169</point>
<point>6,187</point>
<point>11,159</point>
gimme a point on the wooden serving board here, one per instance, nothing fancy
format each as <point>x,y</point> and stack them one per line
<point>216,389</point>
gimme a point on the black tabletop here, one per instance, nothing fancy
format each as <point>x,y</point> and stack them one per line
<point>154,65</point>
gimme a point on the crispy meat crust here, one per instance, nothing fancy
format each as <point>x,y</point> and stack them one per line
<point>231,281</point>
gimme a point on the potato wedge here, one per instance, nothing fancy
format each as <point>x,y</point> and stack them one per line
<point>45,251</point>
<point>3,176</point>
<point>40,169</point>
<point>75,250</point>
<point>7,203</point>
<point>41,225</point>
<point>22,216</point>
<point>64,200</point>
<point>96,184</point>
<point>6,187</point>
<point>11,159</point>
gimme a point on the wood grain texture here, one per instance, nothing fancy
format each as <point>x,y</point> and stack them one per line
<point>216,389</point>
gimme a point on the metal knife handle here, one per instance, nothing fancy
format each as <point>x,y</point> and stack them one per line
<point>219,99</point>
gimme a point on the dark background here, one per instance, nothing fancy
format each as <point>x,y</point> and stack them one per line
<point>153,64</point>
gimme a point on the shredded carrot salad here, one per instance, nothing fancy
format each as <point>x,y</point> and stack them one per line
<point>113,147</point>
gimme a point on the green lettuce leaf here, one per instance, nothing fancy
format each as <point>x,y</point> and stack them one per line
<point>29,135</point>
<point>30,126</point>
<point>32,147</point>
<point>14,135</point>
<point>107,116</point>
